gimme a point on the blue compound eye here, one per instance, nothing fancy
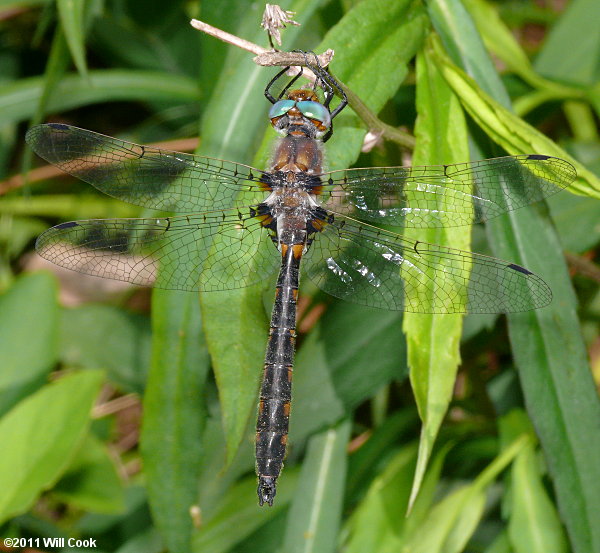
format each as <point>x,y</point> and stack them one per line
<point>281,108</point>
<point>315,110</point>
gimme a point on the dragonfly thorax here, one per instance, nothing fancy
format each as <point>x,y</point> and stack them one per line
<point>297,154</point>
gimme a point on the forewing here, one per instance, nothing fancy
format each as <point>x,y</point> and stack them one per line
<point>472,192</point>
<point>365,265</point>
<point>145,176</point>
<point>200,252</point>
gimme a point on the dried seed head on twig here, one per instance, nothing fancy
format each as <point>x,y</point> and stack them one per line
<point>274,18</point>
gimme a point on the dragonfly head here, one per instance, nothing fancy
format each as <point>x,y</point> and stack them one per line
<point>300,114</point>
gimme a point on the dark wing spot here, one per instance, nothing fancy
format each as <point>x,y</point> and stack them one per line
<point>59,126</point>
<point>70,224</point>
<point>519,269</point>
<point>537,156</point>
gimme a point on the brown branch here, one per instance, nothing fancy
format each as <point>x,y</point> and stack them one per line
<point>583,266</point>
<point>282,59</point>
<point>50,171</point>
<point>226,37</point>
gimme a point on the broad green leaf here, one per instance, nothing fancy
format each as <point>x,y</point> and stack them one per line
<point>19,100</point>
<point>71,17</point>
<point>433,340</point>
<point>450,523</point>
<point>576,33</point>
<point>506,129</point>
<point>316,402</point>
<point>316,510</point>
<point>555,377</point>
<point>534,525</point>
<point>40,436</point>
<point>16,234</point>
<point>135,516</point>
<point>376,41</point>
<point>174,414</point>
<point>234,321</point>
<point>91,482</point>
<point>365,462</point>
<point>244,308</point>
<point>106,337</point>
<point>350,354</point>
<point>364,349</point>
<point>501,544</point>
<point>29,317</point>
<point>460,39</point>
<point>500,40</point>
<point>237,517</point>
<point>145,542</point>
<point>171,45</point>
<point>381,516</point>
<point>547,345</point>
<point>568,209</point>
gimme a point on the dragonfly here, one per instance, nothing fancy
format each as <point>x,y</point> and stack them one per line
<point>235,225</point>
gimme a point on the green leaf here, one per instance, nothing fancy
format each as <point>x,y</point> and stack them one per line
<point>56,66</point>
<point>380,518</point>
<point>506,129</point>
<point>19,100</point>
<point>501,544</point>
<point>380,522</point>
<point>534,525</point>
<point>237,517</point>
<point>433,340</point>
<point>502,42</point>
<point>378,40</point>
<point>91,482</point>
<point>145,542</point>
<point>331,365</point>
<point>450,523</point>
<point>29,338</point>
<point>106,337</point>
<point>567,208</point>
<point>174,414</point>
<point>71,17</point>
<point>547,344</point>
<point>366,460</point>
<point>576,32</point>
<point>363,348</point>
<point>316,509</point>
<point>40,436</point>
<point>235,322</point>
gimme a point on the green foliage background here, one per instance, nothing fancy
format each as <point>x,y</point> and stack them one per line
<point>505,460</point>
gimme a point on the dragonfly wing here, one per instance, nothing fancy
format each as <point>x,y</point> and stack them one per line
<point>145,176</point>
<point>200,252</point>
<point>468,192</point>
<point>373,267</point>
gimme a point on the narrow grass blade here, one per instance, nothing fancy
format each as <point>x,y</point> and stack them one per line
<point>433,340</point>
<point>174,414</point>
<point>316,510</point>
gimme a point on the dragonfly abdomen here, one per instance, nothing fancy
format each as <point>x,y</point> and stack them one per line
<point>276,390</point>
